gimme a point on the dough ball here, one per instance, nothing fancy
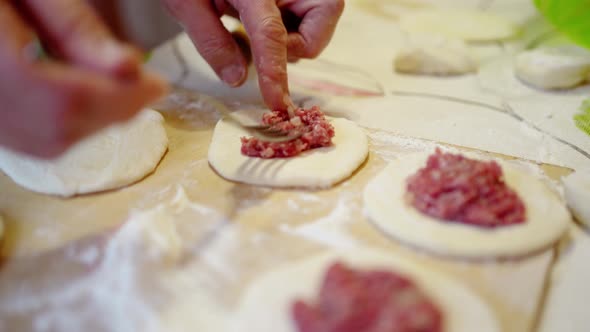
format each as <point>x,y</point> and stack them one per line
<point>266,304</point>
<point>440,56</point>
<point>463,24</point>
<point>552,68</point>
<point>114,157</point>
<point>317,168</point>
<point>547,217</point>
<point>577,195</point>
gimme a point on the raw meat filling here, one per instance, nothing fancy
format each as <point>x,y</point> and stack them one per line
<point>316,132</point>
<point>367,301</point>
<point>454,188</point>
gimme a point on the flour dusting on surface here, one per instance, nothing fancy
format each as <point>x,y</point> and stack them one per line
<point>329,230</point>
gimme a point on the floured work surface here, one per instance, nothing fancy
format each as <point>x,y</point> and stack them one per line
<point>75,264</point>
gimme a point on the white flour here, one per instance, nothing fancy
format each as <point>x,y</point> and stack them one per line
<point>331,229</point>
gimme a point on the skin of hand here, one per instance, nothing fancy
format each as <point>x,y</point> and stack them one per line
<point>91,81</point>
<point>279,30</point>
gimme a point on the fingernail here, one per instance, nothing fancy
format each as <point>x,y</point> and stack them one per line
<point>233,75</point>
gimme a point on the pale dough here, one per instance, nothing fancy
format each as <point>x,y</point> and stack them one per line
<point>552,68</point>
<point>577,195</point>
<point>437,56</point>
<point>547,217</point>
<point>317,168</point>
<point>463,24</point>
<point>115,157</point>
<point>266,304</point>
<point>498,77</point>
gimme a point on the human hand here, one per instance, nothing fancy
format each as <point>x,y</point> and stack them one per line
<point>93,80</point>
<point>279,30</point>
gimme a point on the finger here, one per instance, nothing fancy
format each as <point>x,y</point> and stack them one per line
<point>15,37</point>
<point>76,33</point>
<point>211,39</point>
<point>87,101</point>
<point>262,21</point>
<point>317,27</point>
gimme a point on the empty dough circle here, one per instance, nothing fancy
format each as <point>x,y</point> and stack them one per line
<point>552,68</point>
<point>317,168</point>
<point>463,24</point>
<point>437,56</point>
<point>114,157</point>
<point>266,304</point>
<point>547,217</point>
<point>577,195</point>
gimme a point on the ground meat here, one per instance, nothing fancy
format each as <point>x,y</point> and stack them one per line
<point>367,301</point>
<point>317,132</point>
<point>454,188</point>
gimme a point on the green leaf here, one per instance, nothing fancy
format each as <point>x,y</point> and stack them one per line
<point>582,119</point>
<point>571,17</point>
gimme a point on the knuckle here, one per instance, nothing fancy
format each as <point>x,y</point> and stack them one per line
<point>213,46</point>
<point>271,28</point>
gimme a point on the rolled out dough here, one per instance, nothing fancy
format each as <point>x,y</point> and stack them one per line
<point>577,195</point>
<point>266,304</point>
<point>115,157</point>
<point>435,56</point>
<point>547,217</point>
<point>318,168</point>
<point>468,25</point>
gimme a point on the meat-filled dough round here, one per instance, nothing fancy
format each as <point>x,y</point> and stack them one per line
<point>547,216</point>
<point>316,168</point>
<point>266,304</point>
<point>112,158</point>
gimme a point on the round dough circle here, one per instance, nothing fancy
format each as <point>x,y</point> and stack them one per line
<point>442,57</point>
<point>114,157</point>
<point>265,306</point>
<point>463,24</point>
<point>547,217</point>
<point>317,168</point>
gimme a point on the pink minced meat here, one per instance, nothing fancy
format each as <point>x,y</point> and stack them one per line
<point>367,301</point>
<point>317,132</point>
<point>454,188</point>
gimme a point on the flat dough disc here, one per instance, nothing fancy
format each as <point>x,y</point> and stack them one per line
<point>266,304</point>
<point>115,157</point>
<point>318,168</point>
<point>463,24</point>
<point>547,217</point>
